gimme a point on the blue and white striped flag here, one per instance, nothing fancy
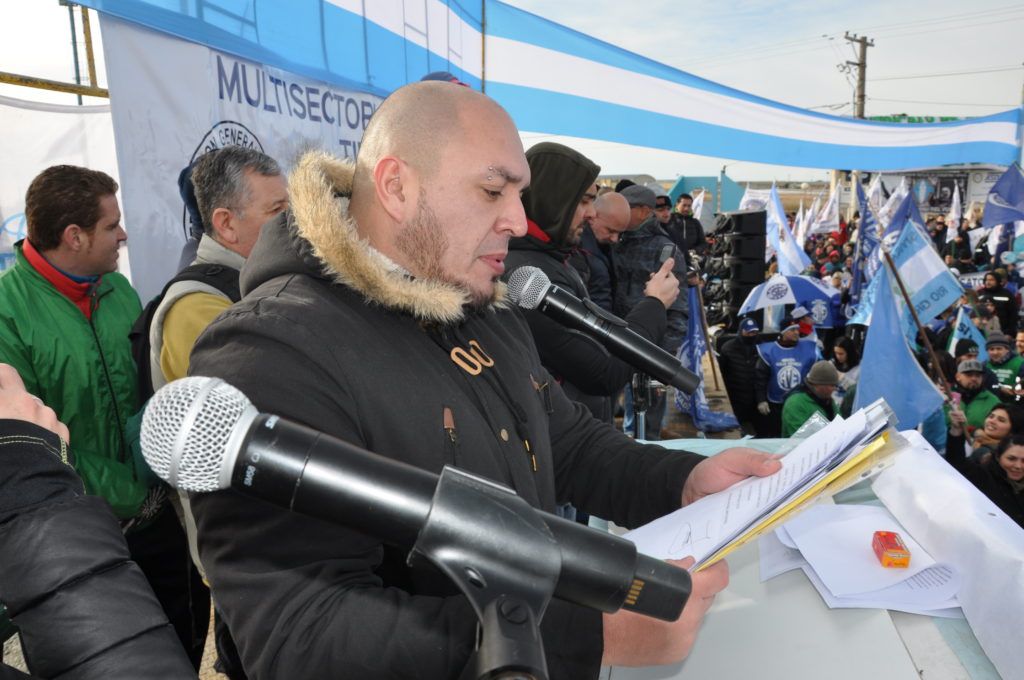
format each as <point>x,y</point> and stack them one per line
<point>691,355</point>
<point>930,284</point>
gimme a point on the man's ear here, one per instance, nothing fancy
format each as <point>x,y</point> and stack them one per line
<point>73,238</point>
<point>223,227</point>
<point>396,188</point>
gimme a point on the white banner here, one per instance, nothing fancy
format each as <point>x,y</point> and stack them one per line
<point>174,100</point>
<point>40,135</point>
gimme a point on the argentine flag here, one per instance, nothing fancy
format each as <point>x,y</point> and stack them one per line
<point>931,286</point>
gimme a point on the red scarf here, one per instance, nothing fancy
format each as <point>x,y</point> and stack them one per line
<point>79,293</point>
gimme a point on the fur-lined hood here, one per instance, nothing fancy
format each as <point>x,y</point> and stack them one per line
<point>326,237</point>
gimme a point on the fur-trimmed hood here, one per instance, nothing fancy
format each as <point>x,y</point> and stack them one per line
<point>318,229</point>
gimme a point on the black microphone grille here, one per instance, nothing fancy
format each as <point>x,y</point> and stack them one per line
<point>192,431</point>
<point>527,287</point>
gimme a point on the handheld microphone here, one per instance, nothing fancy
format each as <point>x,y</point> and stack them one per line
<point>530,288</point>
<point>202,434</point>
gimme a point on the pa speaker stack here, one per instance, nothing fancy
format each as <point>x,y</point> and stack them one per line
<point>739,253</point>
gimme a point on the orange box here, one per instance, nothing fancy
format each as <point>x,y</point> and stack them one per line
<point>890,549</point>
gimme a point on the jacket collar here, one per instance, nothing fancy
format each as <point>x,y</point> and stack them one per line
<point>210,251</point>
<point>81,294</point>
<point>319,189</point>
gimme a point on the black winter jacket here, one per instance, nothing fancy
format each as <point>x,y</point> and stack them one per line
<point>330,335</point>
<point>84,609</point>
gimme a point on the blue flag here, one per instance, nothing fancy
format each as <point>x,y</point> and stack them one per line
<point>965,328</point>
<point>691,354</point>
<point>867,241</point>
<point>889,369</point>
<point>1005,202</point>
<point>1003,235</point>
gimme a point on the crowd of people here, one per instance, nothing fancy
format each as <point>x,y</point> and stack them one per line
<point>327,298</point>
<point>801,370</point>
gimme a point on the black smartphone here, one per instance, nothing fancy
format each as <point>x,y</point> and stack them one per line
<point>666,252</point>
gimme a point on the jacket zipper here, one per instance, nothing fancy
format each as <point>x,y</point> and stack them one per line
<point>106,374</point>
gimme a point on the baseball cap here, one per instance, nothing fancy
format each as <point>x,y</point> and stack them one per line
<point>444,76</point>
<point>970,366</point>
<point>748,325</point>
<point>799,312</point>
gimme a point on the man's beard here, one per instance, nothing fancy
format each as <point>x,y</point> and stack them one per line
<point>424,243</point>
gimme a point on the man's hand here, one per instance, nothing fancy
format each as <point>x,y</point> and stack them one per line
<point>17,404</point>
<point>763,408</point>
<point>725,469</point>
<point>663,284</point>
<point>635,640</point>
<point>957,421</point>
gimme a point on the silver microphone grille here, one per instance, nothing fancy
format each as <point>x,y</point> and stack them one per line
<point>192,431</point>
<point>527,286</point>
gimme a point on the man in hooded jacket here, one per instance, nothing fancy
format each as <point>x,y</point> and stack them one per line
<point>559,204</point>
<point>372,312</point>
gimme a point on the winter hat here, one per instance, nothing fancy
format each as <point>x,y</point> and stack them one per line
<point>965,346</point>
<point>997,339</point>
<point>638,195</point>
<point>799,312</point>
<point>822,373</point>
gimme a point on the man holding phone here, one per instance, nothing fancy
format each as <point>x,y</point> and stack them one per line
<point>559,203</point>
<point>641,250</point>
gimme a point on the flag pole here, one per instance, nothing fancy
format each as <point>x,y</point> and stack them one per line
<point>936,368</point>
<point>707,336</point>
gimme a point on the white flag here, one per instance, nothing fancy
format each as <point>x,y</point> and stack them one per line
<point>955,215</point>
<point>698,204</point>
<point>754,199</point>
<point>874,195</point>
<point>895,198</point>
<point>828,220</point>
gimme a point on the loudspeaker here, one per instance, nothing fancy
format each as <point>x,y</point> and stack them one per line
<point>742,271</point>
<point>747,222</point>
<point>745,245</point>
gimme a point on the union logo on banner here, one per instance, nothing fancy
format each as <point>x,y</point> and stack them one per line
<point>776,291</point>
<point>819,311</point>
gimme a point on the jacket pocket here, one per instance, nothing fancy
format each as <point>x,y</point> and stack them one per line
<point>451,437</point>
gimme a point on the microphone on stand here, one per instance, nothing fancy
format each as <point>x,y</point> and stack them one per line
<point>202,434</point>
<point>530,288</point>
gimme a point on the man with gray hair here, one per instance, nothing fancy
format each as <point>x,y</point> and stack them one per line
<point>237,190</point>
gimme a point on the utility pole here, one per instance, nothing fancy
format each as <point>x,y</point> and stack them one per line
<point>862,65</point>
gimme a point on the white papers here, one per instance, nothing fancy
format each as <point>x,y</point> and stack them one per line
<point>961,527</point>
<point>832,545</point>
<point>703,528</point>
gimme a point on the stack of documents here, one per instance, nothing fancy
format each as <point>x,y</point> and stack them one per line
<point>826,462</point>
<point>832,545</point>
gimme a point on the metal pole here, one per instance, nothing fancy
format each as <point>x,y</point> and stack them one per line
<point>74,49</point>
<point>90,57</point>
<point>707,336</point>
<point>483,46</point>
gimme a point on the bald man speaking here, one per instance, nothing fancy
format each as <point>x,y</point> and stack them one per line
<point>373,312</point>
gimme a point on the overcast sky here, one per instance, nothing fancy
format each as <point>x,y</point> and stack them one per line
<point>934,57</point>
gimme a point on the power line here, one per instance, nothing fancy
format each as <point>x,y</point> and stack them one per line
<point>956,73</point>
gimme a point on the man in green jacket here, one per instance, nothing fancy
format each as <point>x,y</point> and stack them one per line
<point>813,396</point>
<point>65,314</point>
